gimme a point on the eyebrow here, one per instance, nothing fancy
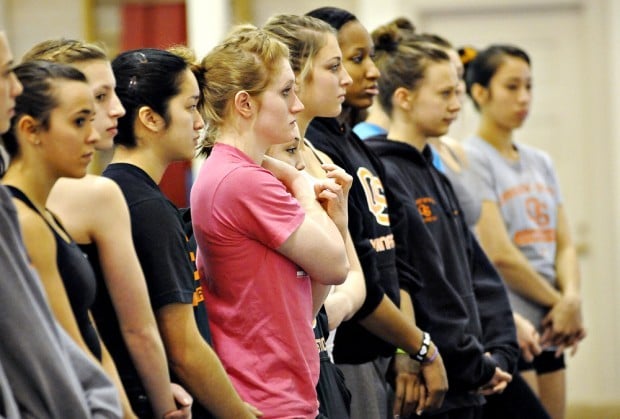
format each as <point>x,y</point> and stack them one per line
<point>9,65</point>
<point>85,112</point>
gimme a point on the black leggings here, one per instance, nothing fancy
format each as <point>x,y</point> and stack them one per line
<point>518,401</point>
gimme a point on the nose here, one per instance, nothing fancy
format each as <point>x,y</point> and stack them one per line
<point>199,123</point>
<point>297,106</point>
<point>94,136</point>
<point>372,71</point>
<point>525,95</point>
<point>116,107</point>
<point>345,77</point>
<point>300,165</point>
<point>455,102</point>
<point>16,86</point>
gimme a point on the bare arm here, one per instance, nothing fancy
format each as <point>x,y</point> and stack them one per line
<point>513,266</point>
<point>564,322</point>
<point>569,280</point>
<point>111,232</point>
<point>348,297</point>
<point>110,368</point>
<point>317,245</point>
<point>345,299</point>
<point>195,363</point>
<point>528,337</point>
<point>391,325</point>
<point>41,246</point>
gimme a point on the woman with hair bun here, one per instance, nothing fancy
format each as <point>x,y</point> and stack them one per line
<point>460,298</point>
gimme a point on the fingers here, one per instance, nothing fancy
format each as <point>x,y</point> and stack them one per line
<point>504,376</point>
<point>338,174</point>
<point>496,389</point>
<point>527,355</point>
<point>399,396</point>
<point>423,401</point>
<point>531,348</point>
<point>573,350</point>
<point>327,184</point>
<point>181,397</point>
<point>434,400</point>
<point>184,413</point>
<point>254,410</point>
<point>407,394</point>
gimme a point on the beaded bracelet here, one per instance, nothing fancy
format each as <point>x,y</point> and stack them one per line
<point>423,351</point>
<point>432,358</point>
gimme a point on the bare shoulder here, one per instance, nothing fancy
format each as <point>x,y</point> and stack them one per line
<point>90,189</point>
<point>324,157</point>
<point>84,205</point>
<point>456,147</point>
<point>90,193</point>
<point>34,228</point>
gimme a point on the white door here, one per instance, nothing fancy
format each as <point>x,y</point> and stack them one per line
<point>552,36</point>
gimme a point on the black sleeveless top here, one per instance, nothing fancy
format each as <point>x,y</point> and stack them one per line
<point>77,276</point>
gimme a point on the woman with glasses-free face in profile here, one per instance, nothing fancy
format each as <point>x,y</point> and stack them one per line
<point>263,236</point>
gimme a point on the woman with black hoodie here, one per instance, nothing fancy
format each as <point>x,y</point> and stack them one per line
<point>365,344</point>
<point>460,298</point>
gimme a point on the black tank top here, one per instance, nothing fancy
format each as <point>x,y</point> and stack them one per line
<point>77,276</point>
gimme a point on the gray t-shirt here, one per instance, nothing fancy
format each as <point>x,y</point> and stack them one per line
<point>462,181</point>
<point>528,196</point>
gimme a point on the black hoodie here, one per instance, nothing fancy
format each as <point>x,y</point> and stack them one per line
<point>460,300</point>
<point>370,230</point>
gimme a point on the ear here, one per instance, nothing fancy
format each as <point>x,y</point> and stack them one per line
<point>29,129</point>
<point>244,104</point>
<point>151,119</point>
<point>479,93</point>
<point>401,98</point>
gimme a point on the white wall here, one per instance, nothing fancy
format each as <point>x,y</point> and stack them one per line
<point>29,21</point>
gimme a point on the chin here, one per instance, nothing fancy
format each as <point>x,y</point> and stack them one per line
<point>106,144</point>
<point>362,103</point>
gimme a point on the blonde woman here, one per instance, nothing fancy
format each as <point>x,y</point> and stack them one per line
<point>263,237</point>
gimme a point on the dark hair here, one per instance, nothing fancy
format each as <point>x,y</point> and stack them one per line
<point>401,61</point>
<point>404,24</point>
<point>145,77</point>
<point>333,15</point>
<point>434,39</point>
<point>189,56</point>
<point>39,97</point>
<point>484,66</point>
